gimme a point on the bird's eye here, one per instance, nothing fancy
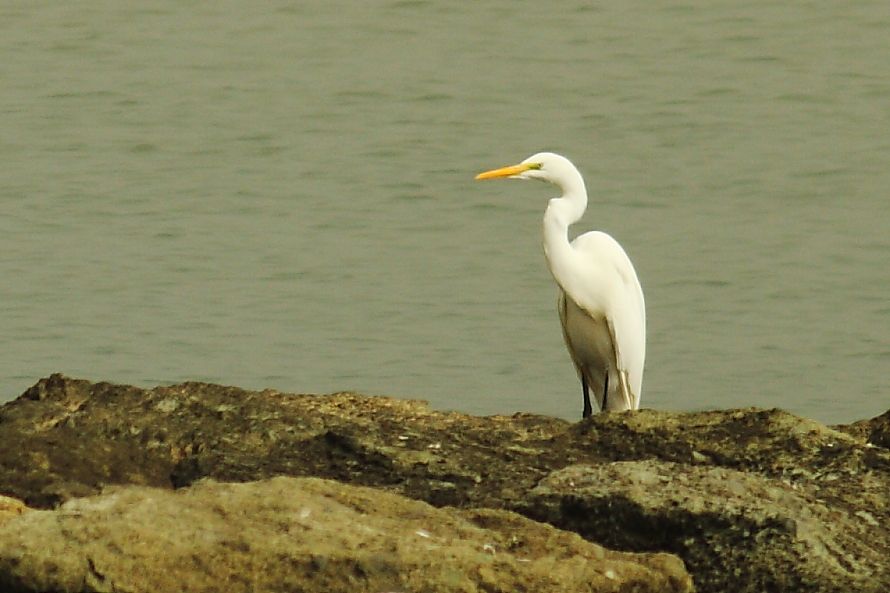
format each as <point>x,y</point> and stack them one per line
<point>535,166</point>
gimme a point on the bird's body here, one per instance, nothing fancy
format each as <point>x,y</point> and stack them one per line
<point>596,340</point>
<point>601,304</point>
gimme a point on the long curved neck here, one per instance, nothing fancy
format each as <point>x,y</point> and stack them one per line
<point>561,213</point>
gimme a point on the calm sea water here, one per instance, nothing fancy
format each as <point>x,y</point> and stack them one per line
<point>282,195</point>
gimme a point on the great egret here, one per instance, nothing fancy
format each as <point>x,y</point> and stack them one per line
<point>601,303</point>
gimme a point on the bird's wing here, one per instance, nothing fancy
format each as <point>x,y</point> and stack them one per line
<point>619,296</point>
<point>561,306</point>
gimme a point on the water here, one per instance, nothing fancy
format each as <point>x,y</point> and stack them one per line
<point>282,196</point>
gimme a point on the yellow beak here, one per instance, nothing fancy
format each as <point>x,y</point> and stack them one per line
<point>505,171</point>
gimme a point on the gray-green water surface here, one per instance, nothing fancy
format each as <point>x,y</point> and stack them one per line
<point>281,195</point>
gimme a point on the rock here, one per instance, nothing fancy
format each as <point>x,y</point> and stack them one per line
<point>876,430</point>
<point>75,437</point>
<point>305,534</point>
<point>10,507</point>
<point>736,531</point>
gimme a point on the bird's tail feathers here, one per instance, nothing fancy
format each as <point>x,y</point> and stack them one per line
<point>630,400</point>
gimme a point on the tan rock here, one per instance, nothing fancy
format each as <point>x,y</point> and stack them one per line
<point>306,534</point>
<point>10,508</point>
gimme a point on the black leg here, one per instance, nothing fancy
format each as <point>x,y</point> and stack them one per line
<point>606,392</point>
<point>587,409</point>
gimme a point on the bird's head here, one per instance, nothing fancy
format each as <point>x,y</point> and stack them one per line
<point>545,166</point>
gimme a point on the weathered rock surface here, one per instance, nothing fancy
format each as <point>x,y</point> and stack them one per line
<point>10,508</point>
<point>750,499</point>
<point>876,431</point>
<point>305,534</point>
<point>715,517</point>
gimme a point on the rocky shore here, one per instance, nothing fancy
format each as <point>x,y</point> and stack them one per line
<point>198,487</point>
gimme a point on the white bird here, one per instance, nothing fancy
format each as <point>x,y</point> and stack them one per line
<point>601,303</point>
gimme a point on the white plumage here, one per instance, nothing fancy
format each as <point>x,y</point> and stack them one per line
<point>601,303</point>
